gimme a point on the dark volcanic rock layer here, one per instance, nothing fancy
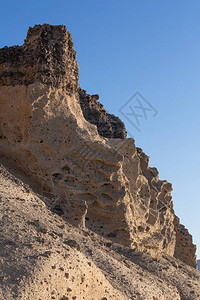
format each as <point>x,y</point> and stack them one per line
<point>47,56</point>
<point>108,125</point>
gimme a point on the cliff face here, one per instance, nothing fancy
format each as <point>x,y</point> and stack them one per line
<point>63,143</point>
<point>44,257</point>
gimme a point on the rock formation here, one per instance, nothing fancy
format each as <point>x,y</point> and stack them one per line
<point>75,156</point>
<point>108,125</point>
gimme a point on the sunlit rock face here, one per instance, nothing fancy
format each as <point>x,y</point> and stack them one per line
<point>63,143</point>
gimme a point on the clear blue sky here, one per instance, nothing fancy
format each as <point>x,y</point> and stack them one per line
<point>126,46</point>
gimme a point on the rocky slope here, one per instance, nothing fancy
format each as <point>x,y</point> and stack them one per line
<point>85,172</point>
<point>44,257</point>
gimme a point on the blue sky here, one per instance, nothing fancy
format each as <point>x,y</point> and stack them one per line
<point>126,46</point>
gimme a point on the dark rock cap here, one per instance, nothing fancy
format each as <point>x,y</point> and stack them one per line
<point>47,56</point>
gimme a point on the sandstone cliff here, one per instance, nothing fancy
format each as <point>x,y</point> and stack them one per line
<point>43,257</point>
<point>62,143</point>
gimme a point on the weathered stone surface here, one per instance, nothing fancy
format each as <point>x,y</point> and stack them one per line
<point>37,264</point>
<point>185,250</point>
<point>60,140</point>
<point>108,125</point>
<point>47,56</point>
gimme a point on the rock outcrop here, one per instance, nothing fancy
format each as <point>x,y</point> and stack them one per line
<point>44,257</point>
<point>185,250</point>
<point>108,125</point>
<point>40,253</point>
<point>47,56</point>
<point>62,143</point>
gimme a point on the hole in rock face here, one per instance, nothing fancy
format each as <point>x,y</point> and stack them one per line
<point>58,210</point>
<point>57,175</point>
<point>147,229</point>
<point>66,169</point>
<point>164,243</point>
<point>112,234</point>
<point>141,229</point>
<point>153,204</point>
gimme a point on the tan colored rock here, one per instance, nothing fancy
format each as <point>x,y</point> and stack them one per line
<point>185,250</point>
<point>85,174</point>
<point>44,257</point>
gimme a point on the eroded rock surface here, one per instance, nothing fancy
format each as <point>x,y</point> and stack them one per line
<point>185,250</point>
<point>44,257</point>
<point>76,157</point>
<point>47,56</point>
<point>108,125</point>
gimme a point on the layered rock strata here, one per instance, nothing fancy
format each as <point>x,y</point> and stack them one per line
<point>61,141</point>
